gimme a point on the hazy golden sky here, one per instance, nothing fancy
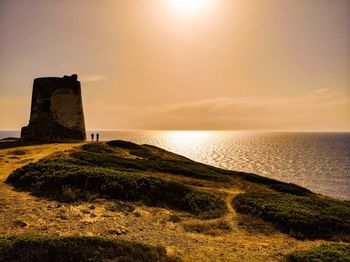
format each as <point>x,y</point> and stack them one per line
<point>183,64</point>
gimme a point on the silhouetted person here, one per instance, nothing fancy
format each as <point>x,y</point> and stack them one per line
<point>92,137</point>
<point>97,137</point>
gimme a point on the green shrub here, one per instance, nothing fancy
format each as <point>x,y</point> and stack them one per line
<point>201,201</point>
<point>213,228</point>
<point>290,189</point>
<point>97,148</point>
<point>174,219</point>
<point>70,194</point>
<point>78,249</point>
<point>124,144</point>
<point>57,175</point>
<point>133,148</point>
<point>299,216</point>
<point>18,152</point>
<point>269,182</point>
<point>187,168</point>
<point>101,154</point>
<point>324,253</point>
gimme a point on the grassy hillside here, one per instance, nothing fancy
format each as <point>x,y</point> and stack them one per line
<point>78,249</point>
<point>121,170</point>
<point>196,201</point>
<point>98,169</point>
<point>299,216</point>
<point>324,253</point>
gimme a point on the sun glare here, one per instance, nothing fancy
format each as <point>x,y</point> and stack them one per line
<point>182,140</point>
<point>190,6</point>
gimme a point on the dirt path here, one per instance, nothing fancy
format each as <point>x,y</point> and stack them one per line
<point>22,213</point>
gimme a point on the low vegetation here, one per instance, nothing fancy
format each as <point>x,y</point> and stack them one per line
<point>209,228</point>
<point>299,216</point>
<point>324,253</point>
<point>124,171</point>
<point>103,169</point>
<point>174,219</point>
<point>79,249</point>
<point>70,180</point>
<point>18,152</point>
<point>143,174</point>
<point>154,161</point>
<point>268,182</point>
<point>132,148</point>
<point>103,155</point>
<point>253,225</point>
<point>12,142</point>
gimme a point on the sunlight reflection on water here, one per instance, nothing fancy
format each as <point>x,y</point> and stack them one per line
<point>318,161</point>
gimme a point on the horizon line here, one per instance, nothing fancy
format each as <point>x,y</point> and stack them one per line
<point>206,130</point>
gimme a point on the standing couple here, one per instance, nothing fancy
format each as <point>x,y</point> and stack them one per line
<point>97,137</point>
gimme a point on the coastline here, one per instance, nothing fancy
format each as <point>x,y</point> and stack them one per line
<point>288,157</point>
<point>249,239</point>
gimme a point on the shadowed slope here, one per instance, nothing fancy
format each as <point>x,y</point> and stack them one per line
<point>299,216</point>
<point>324,253</point>
<point>78,249</point>
<point>100,170</point>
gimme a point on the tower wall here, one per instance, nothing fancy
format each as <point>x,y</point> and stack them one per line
<point>57,110</point>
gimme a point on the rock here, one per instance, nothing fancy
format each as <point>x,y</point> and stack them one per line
<point>143,213</point>
<point>63,217</point>
<point>56,112</point>
<point>20,223</point>
<point>136,213</point>
<point>118,231</point>
<point>85,211</point>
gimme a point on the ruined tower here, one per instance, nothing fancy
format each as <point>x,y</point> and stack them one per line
<point>57,110</point>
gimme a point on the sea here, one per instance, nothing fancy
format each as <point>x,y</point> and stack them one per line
<point>319,161</point>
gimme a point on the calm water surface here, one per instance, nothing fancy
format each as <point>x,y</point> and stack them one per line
<point>318,161</point>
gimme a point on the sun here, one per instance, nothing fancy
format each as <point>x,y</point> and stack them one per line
<point>190,6</point>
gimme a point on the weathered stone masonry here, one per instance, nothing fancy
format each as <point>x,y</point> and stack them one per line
<point>57,110</point>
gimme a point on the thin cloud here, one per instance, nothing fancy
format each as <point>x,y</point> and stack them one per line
<point>316,110</point>
<point>92,78</point>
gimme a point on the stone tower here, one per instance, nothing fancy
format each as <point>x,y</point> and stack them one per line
<point>57,110</point>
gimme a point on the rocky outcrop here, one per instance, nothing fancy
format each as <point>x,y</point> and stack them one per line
<point>57,110</point>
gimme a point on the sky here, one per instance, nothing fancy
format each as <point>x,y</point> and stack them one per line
<point>183,64</point>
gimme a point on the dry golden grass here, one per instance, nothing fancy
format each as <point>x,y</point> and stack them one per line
<point>233,237</point>
<point>31,154</point>
<point>215,228</point>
